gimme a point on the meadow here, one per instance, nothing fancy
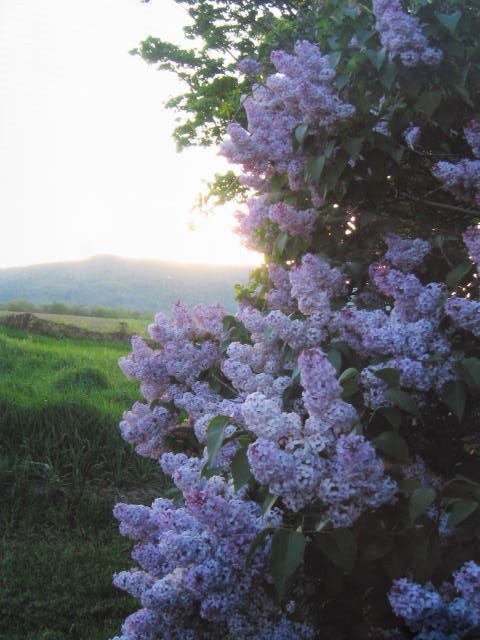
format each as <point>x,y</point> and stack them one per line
<point>63,465</point>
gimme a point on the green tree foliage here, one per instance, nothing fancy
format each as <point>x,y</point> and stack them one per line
<point>222,33</point>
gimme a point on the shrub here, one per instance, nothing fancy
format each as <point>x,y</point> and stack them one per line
<point>324,440</point>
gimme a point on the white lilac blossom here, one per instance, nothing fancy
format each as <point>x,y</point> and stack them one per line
<point>401,35</point>
<point>406,254</point>
<point>446,614</point>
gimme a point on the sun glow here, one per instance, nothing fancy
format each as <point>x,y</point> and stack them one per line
<point>87,161</point>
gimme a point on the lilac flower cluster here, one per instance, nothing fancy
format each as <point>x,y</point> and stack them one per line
<point>192,579</point>
<point>279,391</point>
<point>472,136</point>
<point>447,614</point>
<point>471,238</point>
<point>462,179</point>
<point>302,91</point>
<point>406,254</point>
<point>318,462</point>
<point>401,35</point>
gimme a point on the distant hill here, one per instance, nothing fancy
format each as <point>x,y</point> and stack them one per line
<point>111,281</point>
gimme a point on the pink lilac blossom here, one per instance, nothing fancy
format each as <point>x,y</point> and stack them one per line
<point>401,35</point>
<point>406,254</point>
<point>461,179</point>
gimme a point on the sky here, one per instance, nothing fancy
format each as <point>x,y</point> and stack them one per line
<point>87,163</point>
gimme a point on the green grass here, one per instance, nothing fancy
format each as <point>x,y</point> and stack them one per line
<point>63,465</point>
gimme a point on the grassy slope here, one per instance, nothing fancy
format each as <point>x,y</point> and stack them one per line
<point>62,467</point>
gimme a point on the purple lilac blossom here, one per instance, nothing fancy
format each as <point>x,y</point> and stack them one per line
<point>250,67</point>
<point>295,221</point>
<point>304,83</point>
<point>464,313</point>
<point>401,35</point>
<point>471,238</point>
<point>412,136</point>
<point>194,581</point>
<point>315,283</point>
<point>443,614</point>
<point>279,295</point>
<point>472,135</point>
<point>406,254</point>
<point>462,179</point>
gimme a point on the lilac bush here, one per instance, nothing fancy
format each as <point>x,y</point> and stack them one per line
<point>321,441</point>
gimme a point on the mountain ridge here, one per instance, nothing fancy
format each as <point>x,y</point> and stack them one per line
<point>115,281</point>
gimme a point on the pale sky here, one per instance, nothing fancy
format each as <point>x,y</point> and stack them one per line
<point>87,163</point>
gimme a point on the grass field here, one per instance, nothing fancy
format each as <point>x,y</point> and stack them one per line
<point>63,465</point>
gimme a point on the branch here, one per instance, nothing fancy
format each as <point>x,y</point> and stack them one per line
<point>473,213</point>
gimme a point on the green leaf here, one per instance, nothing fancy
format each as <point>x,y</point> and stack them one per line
<point>281,242</point>
<point>340,547</point>
<point>387,78</point>
<point>469,370</point>
<point>403,401</point>
<point>353,146</point>
<point>420,500</point>
<point>449,20</point>
<point>215,434</point>
<point>314,168</point>
<point>256,542</point>
<point>460,511</point>
<point>454,395</point>
<point>349,389</point>
<point>426,556</point>
<point>377,58</point>
<point>301,132</point>
<point>393,445</point>
<point>393,415</point>
<point>268,503</point>
<point>334,58</point>
<point>342,80</point>
<point>241,472</point>
<point>348,374</point>
<point>335,358</point>
<point>390,375</point>
<point>457,274</point>
<point>288,549</point>
<point>429,102</point>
